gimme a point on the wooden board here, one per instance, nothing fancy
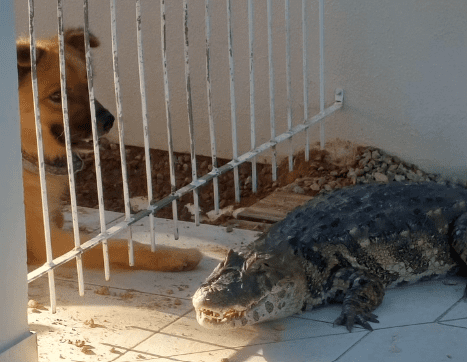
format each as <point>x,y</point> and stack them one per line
<point>274,207</point>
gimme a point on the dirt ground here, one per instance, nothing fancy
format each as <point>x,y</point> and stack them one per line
<point>322,164</point>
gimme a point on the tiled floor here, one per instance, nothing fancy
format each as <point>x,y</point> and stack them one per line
<point>149,316</point>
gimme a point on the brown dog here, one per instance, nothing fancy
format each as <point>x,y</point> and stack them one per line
<point>48,77</point>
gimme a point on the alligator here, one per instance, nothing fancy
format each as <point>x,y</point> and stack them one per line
<point>346,246</point>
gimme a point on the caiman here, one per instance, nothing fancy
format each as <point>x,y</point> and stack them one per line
<point>345,246</point>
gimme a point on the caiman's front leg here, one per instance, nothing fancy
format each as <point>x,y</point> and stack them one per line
<point>365,293</point>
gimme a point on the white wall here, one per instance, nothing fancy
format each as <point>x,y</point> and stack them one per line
<point>400,62</point>
<point>16,343</point>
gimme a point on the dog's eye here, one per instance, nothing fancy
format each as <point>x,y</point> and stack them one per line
<point>56,97</point>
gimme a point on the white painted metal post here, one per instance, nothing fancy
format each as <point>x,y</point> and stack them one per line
<point>288,76</point>
<point>40,154</point>
<point>251,36</point>
<point>272,106</point>
<point>69,153</point>
<point>144,111</point>
<point>121,133</point>
<point>95,139</point>
<point>191,127</point>
<point>169,119</point>
<point>321,69</point>
<point>212,131</point>
<point>233,103</point>
<point>305,78</point>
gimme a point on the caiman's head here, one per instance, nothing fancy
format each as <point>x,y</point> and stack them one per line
<point>251,287</point>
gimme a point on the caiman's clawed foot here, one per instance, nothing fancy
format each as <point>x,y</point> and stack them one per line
<point>364,295</point>
<point>351,318</point>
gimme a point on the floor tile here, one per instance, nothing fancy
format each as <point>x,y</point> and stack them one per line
<point>411,304</point>
<point>419,343</point>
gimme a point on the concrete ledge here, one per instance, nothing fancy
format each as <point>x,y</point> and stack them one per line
<point>24,350</point>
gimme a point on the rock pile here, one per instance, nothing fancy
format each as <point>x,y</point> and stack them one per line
<point>370,165</point>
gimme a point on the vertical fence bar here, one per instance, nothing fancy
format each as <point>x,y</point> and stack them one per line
<point>40,155</point>
<point>144,111</point>
<point>233,104</point>
<point>321,70</point>
<point>305,78</point>
<point>288,79</point>
<point>212,131</point>
<point>272,108</point>
<point>121,134</point>
<point>95,139</point>
<point>69,153</point>
<point>167,111</point>
<point>190,111</point>
<point>251,37</point>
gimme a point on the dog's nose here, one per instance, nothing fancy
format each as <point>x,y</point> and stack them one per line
<point>105,119</point>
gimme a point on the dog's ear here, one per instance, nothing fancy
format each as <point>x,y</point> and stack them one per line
<point>75,38</point>
<point>23,55</point>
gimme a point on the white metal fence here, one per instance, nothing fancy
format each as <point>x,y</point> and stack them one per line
<point>196,183</point>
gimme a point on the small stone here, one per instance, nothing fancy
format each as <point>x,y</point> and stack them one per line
<point>328,187</point>
<point>364,161</point>
<point>412,176</point>
<point>401,168</point>
<point>399,178</point>
<point>380,177</point>
<point>315,187</point>
<point>298,190</point>
<point>392,168</point>
<point>359,172</point>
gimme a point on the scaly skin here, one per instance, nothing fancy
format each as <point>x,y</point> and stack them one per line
<point>347,246</point>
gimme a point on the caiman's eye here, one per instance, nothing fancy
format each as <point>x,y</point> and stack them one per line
<point>56,97</point>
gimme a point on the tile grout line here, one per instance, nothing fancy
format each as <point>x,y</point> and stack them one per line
<point>351,347</point>
<point>127,290</point>
<point>130,349</point>
<point>448,310</point>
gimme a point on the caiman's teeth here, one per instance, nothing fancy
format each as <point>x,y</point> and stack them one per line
<point>214,317</point>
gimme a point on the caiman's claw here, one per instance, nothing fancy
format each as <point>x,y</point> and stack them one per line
<point>349,319</point>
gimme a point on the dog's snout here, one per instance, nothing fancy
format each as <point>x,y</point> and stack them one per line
<point>105,119</point>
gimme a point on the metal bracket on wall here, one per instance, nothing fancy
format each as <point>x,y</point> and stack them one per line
<point>339,95</point>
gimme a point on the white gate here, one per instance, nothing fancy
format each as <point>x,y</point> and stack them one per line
<point>154,205</point>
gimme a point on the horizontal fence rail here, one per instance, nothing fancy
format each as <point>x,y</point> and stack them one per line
<point>232,17</point>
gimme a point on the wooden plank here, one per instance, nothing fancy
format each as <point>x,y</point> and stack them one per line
<point>274,207</point>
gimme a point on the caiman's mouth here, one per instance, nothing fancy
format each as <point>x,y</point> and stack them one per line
<point>231,319</point>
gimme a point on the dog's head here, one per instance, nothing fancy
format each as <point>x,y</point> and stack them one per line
<point>50,104</point>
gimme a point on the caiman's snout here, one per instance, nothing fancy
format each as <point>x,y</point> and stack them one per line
<point>249,288</point>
